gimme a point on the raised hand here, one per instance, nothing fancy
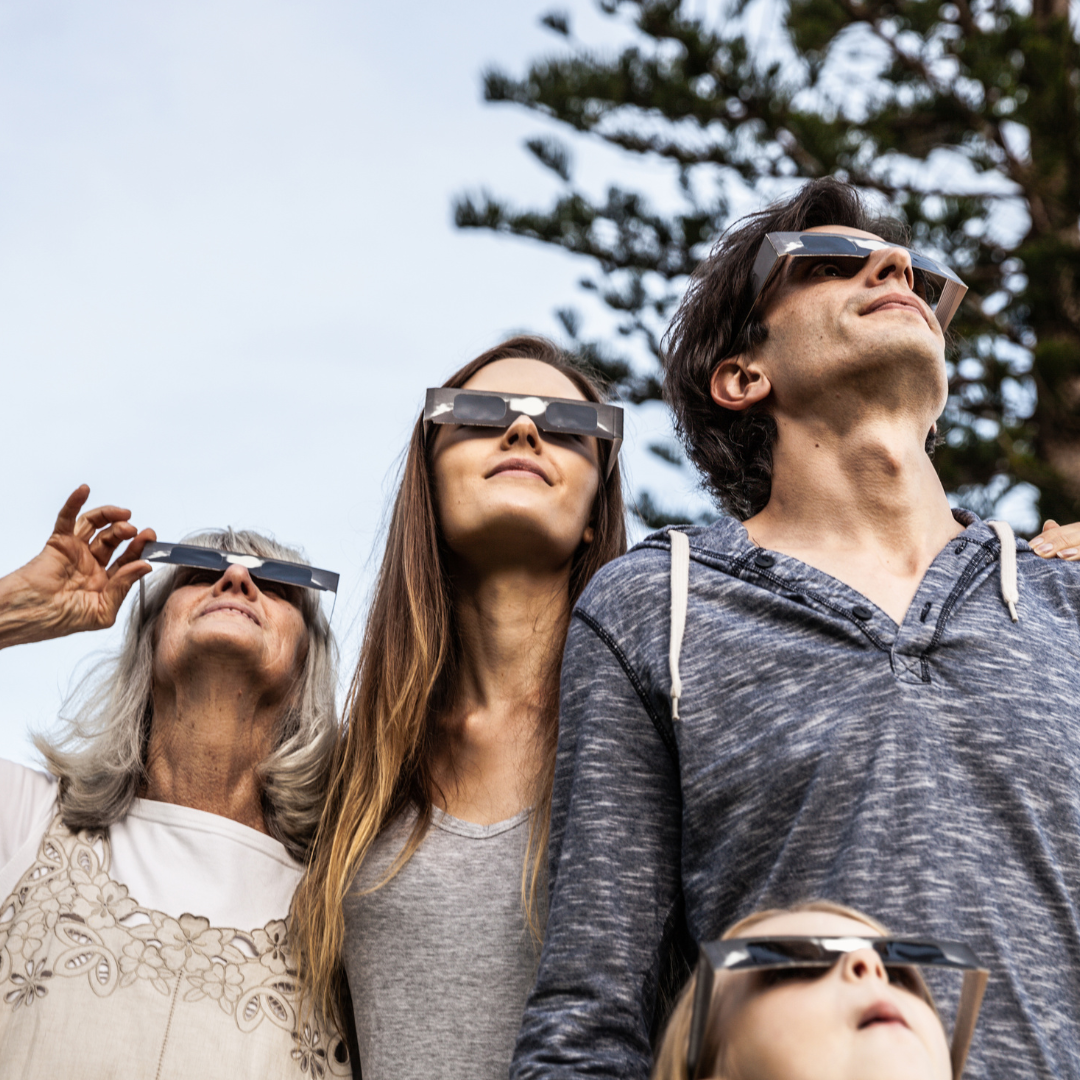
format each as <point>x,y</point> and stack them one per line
<point>70,586</point>
<point>1062,541</point>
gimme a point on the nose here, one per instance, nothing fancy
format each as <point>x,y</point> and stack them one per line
<point>862,965</point>
<point>522,433</point>
<point>236,580</point>
<point>891,262</point>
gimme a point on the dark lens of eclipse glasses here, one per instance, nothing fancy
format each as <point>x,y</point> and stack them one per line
<point>564,416</point>
<point>207,558</point>
<point>479,408</point>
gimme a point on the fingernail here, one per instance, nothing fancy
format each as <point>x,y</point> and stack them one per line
<point>1045,549</point>
<point>1068,553</point>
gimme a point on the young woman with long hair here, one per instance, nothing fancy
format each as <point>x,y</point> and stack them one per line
<point>426,882</point>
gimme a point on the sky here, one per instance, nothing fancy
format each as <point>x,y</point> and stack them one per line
<point>228,270</point>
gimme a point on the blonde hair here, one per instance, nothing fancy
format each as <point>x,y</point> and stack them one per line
<point>670,1061</point>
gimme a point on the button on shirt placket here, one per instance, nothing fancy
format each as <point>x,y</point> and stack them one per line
<point>822,591</point>
<point>951,575</point>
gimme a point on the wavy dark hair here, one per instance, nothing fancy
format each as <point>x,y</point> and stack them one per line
<point>733,450</point>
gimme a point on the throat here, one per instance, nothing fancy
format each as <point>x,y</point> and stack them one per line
<point>886,572</point>
<point>890,588</point>
<point>866,507</point>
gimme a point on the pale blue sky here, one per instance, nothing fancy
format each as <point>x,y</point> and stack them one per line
<point>228,269</point>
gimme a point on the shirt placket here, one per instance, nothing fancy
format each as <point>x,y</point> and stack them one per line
<point>950,576</point>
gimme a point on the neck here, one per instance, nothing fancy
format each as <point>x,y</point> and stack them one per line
<point>509,621</point>
<point>865,505</point>
<point>210,733</point>
<point>874,484</point>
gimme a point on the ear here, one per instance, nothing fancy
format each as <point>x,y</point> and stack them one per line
<point>588,535</point>
<point>737,383</point>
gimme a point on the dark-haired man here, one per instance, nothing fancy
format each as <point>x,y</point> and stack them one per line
<point>874,702</point>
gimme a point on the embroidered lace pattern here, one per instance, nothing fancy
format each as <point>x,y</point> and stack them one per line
<point>68,919</point>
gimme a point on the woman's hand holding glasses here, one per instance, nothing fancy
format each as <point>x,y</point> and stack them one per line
<point>70,586</point>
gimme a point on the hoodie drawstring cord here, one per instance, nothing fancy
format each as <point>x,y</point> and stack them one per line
<point>1010,588</point>
<point>680,589</point>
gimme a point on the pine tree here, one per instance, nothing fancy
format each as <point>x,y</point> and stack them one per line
<point>962,116</point>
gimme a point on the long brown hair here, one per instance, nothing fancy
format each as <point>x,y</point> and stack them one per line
<point>406,675</point>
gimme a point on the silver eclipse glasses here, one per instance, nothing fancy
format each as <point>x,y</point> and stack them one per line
<point>934,281</point>
<point>278,570</point>
<point>816,955</point>
<point>556,416</point>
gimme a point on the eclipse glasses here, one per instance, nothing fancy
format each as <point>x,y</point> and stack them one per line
<point>556,416</point>
<point>285,573</point>
<point>934,281</point>
<point>818,954</point>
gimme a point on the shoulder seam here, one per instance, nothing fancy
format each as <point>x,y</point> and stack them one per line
<point>664,730</point>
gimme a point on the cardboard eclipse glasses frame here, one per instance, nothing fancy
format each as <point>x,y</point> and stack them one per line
<point>557,416</point>
<point>278,570</point>
<point>819,954</point>
<point>780,245</point>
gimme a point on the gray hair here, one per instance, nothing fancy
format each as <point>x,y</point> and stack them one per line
<point>99,753</point>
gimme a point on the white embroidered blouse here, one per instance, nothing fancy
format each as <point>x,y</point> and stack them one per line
<point>120,953</point>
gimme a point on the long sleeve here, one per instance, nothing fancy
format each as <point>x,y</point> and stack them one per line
<point>614,860</point>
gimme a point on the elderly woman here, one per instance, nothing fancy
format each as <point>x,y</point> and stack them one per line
<point>145,881</point>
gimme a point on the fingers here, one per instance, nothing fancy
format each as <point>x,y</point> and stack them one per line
<point>127,570</point>
<point>121,579</point>
<point>65,520</point>
<point>133,551</point>
<point>109,539</point>
<point>99,518</point>
<point>1062,541</point>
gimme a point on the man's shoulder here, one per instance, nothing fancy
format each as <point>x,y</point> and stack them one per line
<point>640,581</point>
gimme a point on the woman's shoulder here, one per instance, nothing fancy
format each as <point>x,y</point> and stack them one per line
<point>27,802</point>
<point>21,784</point>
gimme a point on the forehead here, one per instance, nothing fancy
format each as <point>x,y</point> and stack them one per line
<point>845,230</point>
<point>810,924</point>
<point>527,377</point>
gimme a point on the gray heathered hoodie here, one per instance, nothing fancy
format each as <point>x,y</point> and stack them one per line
<point>927,774</point>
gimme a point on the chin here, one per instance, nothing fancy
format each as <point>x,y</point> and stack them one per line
<point>513,536</point>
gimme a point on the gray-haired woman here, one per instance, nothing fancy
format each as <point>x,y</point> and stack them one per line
<point>144,882</point>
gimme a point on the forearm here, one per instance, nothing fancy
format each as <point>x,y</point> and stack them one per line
<point>615,852</point>
<point>25,616</point>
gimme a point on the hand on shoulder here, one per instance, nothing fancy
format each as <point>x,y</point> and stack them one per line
<point>1057,541</point>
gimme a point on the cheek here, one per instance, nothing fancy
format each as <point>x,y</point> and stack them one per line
<point>780,1035</point>
<point>583,487</point>
<point>932,1035</point>
<point>292,637</point>
<point>167,636</point>
<point>452,470</point>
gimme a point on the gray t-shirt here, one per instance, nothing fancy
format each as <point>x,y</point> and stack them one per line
<point>440,960</point>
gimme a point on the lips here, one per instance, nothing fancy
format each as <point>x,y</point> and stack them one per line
<point>898,299</point>
<point>519,465</point>
<point>882,1012</point>
<point>225,605</point>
